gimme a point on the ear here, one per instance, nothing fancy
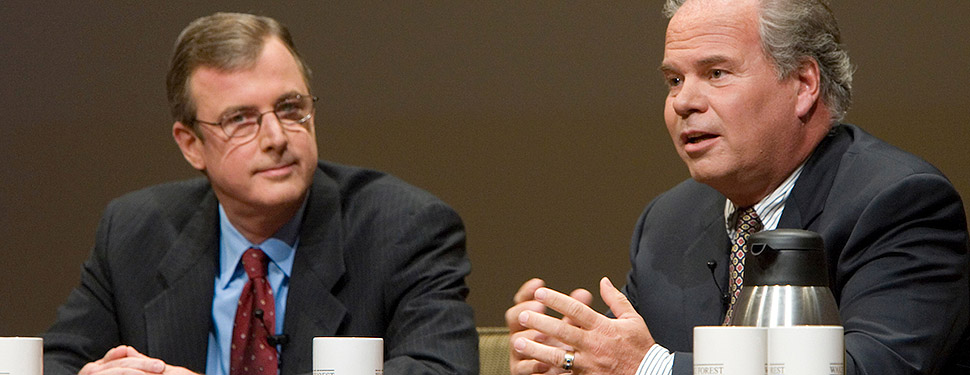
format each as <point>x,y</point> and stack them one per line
<point>809,81</point>
<point>190,143</point>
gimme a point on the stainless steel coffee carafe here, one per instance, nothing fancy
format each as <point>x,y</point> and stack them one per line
<point>786,282</point>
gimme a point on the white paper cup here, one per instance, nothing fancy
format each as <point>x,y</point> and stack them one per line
<point>729,350</point>
<point>348,356</point>
<point>800,350</point>
<point>21,356</point>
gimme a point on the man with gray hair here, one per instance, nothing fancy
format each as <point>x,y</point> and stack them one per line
<point>757,90</point>
<point>236,273</point>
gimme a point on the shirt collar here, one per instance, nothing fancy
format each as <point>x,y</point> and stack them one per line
<point>280,247</point>
<point>770,208</point>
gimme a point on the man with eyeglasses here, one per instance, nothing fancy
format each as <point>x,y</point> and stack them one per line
<point>235,273</point>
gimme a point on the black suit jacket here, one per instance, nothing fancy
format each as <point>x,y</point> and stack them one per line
<point>376,257</point>
<point>895,237</point>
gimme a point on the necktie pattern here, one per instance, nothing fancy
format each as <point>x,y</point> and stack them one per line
<point>251,353</point>
<point>748,223</point>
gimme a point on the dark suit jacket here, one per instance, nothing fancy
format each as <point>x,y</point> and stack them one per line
<point>376,257</point>
<point>895,237</point>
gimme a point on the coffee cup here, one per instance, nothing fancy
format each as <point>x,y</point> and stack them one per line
<point>21,356</point>
<point>348,356</point>
<point>729,350</point>
<point>800,350</point>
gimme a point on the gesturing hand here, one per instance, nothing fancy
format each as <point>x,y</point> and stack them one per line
<point>600,345</point>
<point>521,364</point>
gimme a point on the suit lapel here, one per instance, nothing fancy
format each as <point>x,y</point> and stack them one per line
<point>807,198</point>
<point>178,319</point>
<point>702,299</point>
<point>311,308</point>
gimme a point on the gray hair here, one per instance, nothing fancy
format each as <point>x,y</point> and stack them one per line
<point>793,30</point>
<point>225,41</point>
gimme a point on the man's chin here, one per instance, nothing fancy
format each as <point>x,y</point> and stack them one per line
<point>707,177</point>
<point>274,195</point>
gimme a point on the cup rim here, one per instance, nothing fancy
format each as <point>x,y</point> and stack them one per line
<point>710,328</point>
<point>812,327</point>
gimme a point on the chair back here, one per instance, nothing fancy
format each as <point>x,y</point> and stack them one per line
<point>493,350</point>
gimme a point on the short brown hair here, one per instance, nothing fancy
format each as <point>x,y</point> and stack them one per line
<point>225,41</point>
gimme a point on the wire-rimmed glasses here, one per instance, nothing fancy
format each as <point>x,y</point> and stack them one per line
<point>293,113</point>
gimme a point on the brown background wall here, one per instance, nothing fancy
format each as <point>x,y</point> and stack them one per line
<point>539,121</point>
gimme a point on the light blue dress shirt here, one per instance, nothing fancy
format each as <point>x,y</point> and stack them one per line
<point>231,278</point>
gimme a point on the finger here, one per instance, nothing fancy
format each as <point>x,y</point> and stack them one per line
<point>556,329</point>
<point>144,364</point>
<point>117,352</point>
<point>551,356</point>
<point>530,334</point>
<point>581,295</point>
<point>512,314</point>
<point>116,371</point>
<point>178,370</point>
<point>536,336</point>
<point>524,301</point>
<point>520,364</point>
<point>132,352</point>
<point>111,355</point>
<point>529,366</point>
<point>89,368</point>
<point>578,312</point>
<point>616,300</point>
<point>527,290</point>
<point>120,371</point>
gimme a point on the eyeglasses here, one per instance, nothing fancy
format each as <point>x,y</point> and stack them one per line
<point>292,112</point>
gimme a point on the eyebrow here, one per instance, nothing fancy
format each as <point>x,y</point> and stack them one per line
<point>705,62</point>
<point>234,109</point>
<point>239,108</point>
<point>712,60</point>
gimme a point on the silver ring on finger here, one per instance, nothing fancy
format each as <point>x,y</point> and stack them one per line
<point>567,360</point>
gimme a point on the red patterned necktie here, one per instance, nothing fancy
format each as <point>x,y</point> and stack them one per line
<point>748,223</point>
<point>251,354</point>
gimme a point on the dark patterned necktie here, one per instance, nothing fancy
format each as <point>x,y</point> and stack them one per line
<point>251,353</point>
<point>748,223</point>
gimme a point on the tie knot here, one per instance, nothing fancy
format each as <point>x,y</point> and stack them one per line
<point>254,262</point>
<point>748,220</point>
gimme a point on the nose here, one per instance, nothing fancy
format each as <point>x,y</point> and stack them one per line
<point>689,98</point>
<point>271,133</point>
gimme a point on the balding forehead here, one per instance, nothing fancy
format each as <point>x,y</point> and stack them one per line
<point>702,15</point>
<point>689,6</point>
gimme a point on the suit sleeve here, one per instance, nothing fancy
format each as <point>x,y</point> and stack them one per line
<point>85,327</point>
<point>630,289</point>
<point>431,328</point>
<point>683,361</point>
<point>903,276</point>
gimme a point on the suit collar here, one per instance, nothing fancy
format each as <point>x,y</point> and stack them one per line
<point>808,197</point>
<point>178,319</point>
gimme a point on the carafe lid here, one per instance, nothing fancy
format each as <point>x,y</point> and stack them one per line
<point>786,257</point>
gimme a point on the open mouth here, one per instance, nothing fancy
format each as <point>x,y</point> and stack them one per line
<point>698,137</point>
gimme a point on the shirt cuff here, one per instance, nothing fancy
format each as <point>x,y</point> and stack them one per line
<point>658,361</point>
